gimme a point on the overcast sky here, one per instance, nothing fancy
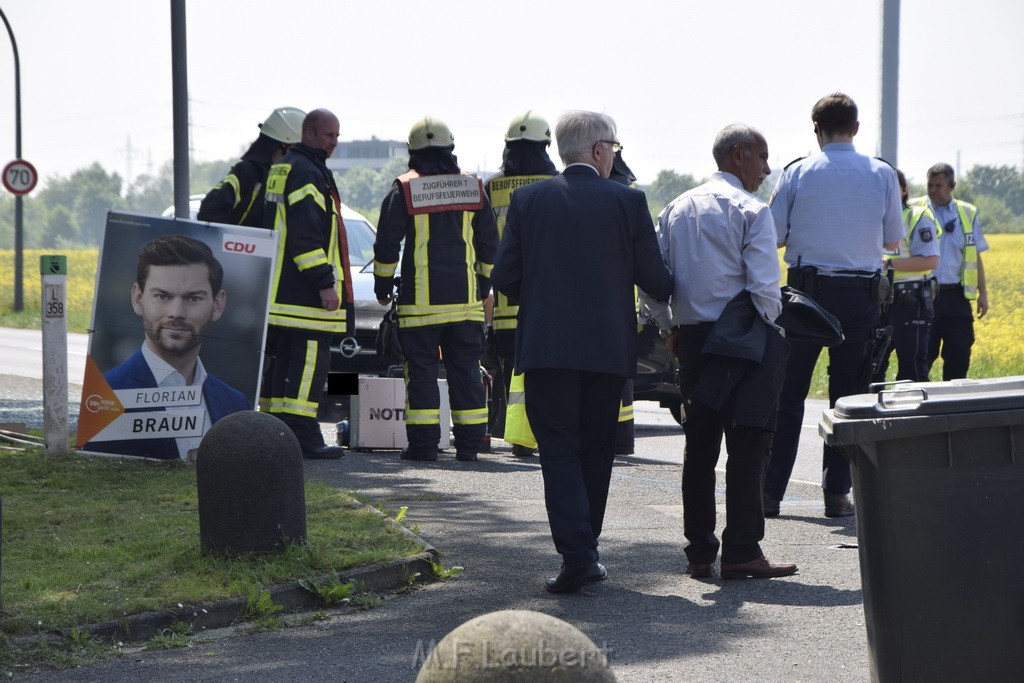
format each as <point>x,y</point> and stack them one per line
<point>97,74</point>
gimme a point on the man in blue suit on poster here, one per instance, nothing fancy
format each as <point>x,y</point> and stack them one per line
<point>573,248</point>
<point>177,292</point>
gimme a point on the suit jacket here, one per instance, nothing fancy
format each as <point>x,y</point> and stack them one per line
<point>742,354</point>
<point>134,373</point>
<point>573,248</point>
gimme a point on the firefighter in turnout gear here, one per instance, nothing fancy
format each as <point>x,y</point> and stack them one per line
<point>448,228</point>
<point>239,198</point>
<point>524,161</point>
<point>312,282</point>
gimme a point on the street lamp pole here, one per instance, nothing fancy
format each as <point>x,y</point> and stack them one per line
<point>19,295</point>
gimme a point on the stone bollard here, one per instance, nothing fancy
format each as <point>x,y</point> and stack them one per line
<point>515,645</point>
<point>252,496</point>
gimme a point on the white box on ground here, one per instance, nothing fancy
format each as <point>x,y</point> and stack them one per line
<point>377,416</point>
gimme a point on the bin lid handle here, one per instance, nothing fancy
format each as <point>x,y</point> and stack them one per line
<point>902,399</point>
<point>875,387</point>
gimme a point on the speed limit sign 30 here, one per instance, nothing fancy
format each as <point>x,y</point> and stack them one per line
<point>20,177</point>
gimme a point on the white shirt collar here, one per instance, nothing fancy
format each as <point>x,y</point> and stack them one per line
<point>165,375</point>
<point>730,178</point>
<point>583,163</point>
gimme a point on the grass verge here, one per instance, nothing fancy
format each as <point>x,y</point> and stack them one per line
<point>88,540</point>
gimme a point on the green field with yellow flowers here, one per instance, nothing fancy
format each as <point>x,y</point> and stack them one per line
<point>998,352</point>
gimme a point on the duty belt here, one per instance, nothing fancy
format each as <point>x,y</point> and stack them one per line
<point>837,282</point>
<point>910,285</point>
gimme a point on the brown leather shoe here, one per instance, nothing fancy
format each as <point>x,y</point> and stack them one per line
<point>699,571</point>
<point>760,568</point>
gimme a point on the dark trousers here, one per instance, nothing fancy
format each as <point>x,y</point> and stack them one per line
<point>503,351</point>
<point>952,333</point>
<point>461,345</point>
<point>858,313</point>
<point>748,453</point>
<point>297,373</point>
<point>573,415</point>
<point>911,322</point>
<point>625,431</point>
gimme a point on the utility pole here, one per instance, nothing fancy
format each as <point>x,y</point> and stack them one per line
<point>179,88</point>
<point>888,143</point>
<point>130,153</point>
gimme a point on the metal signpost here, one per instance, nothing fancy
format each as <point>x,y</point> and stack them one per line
<point>54,270</point>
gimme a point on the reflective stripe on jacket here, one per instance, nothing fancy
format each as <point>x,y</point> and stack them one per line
<point>448,252</point>
<point>302,208</point>
<point>499,190</point>
<point>239,198</point>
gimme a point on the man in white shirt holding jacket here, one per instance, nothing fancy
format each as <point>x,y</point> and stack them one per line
<point>719,241</point>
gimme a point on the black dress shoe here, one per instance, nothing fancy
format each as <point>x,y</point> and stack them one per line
<point>417,454</point>
<point>570,580</point>
<point>698,570</point>
<point>838,505</point>
<point>324,452</point>
<point>761,568</point>
<point>466,456</point>
<point>522,451</point>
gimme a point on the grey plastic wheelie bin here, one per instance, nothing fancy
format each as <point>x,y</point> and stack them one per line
<point>938,477</point>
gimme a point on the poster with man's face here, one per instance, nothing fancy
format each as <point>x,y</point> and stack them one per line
<point>177,336</point>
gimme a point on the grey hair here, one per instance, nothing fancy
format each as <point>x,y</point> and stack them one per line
<point>943,169</point>
<point>578,131</point>
<point>734,134</point>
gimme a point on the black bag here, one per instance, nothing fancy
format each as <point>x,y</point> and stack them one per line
<point>804,319</point>
<point>387,346</point>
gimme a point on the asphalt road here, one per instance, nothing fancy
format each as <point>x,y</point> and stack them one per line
<point>656,623</point>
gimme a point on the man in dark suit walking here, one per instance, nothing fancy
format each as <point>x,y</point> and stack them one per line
<point>573,248</point>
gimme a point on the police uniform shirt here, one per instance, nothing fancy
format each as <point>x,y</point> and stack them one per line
<point>718,239</point>
<point>834,210</point>
<point>951,245</point>
<point>924,241</point>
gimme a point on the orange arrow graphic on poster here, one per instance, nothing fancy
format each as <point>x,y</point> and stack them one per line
<point>100,405</point>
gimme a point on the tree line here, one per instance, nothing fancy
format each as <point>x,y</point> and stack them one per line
<point>70,212</point>
<point>997,191</point>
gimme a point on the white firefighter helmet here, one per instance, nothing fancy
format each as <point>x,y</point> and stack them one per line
<point>430,132</point>
<point>529,126</point>
<point>284,125</point>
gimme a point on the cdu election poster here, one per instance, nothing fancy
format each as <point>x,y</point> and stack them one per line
<point>177,334</point>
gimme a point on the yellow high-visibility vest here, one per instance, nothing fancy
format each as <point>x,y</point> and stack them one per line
<point>911,217</point>
<point>969,265</point>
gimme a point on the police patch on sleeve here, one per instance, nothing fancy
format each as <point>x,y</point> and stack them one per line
<point>925,234</point>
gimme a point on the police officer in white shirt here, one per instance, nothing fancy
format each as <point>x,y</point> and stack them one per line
<point>834,212</point>
<point>960,273</point>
